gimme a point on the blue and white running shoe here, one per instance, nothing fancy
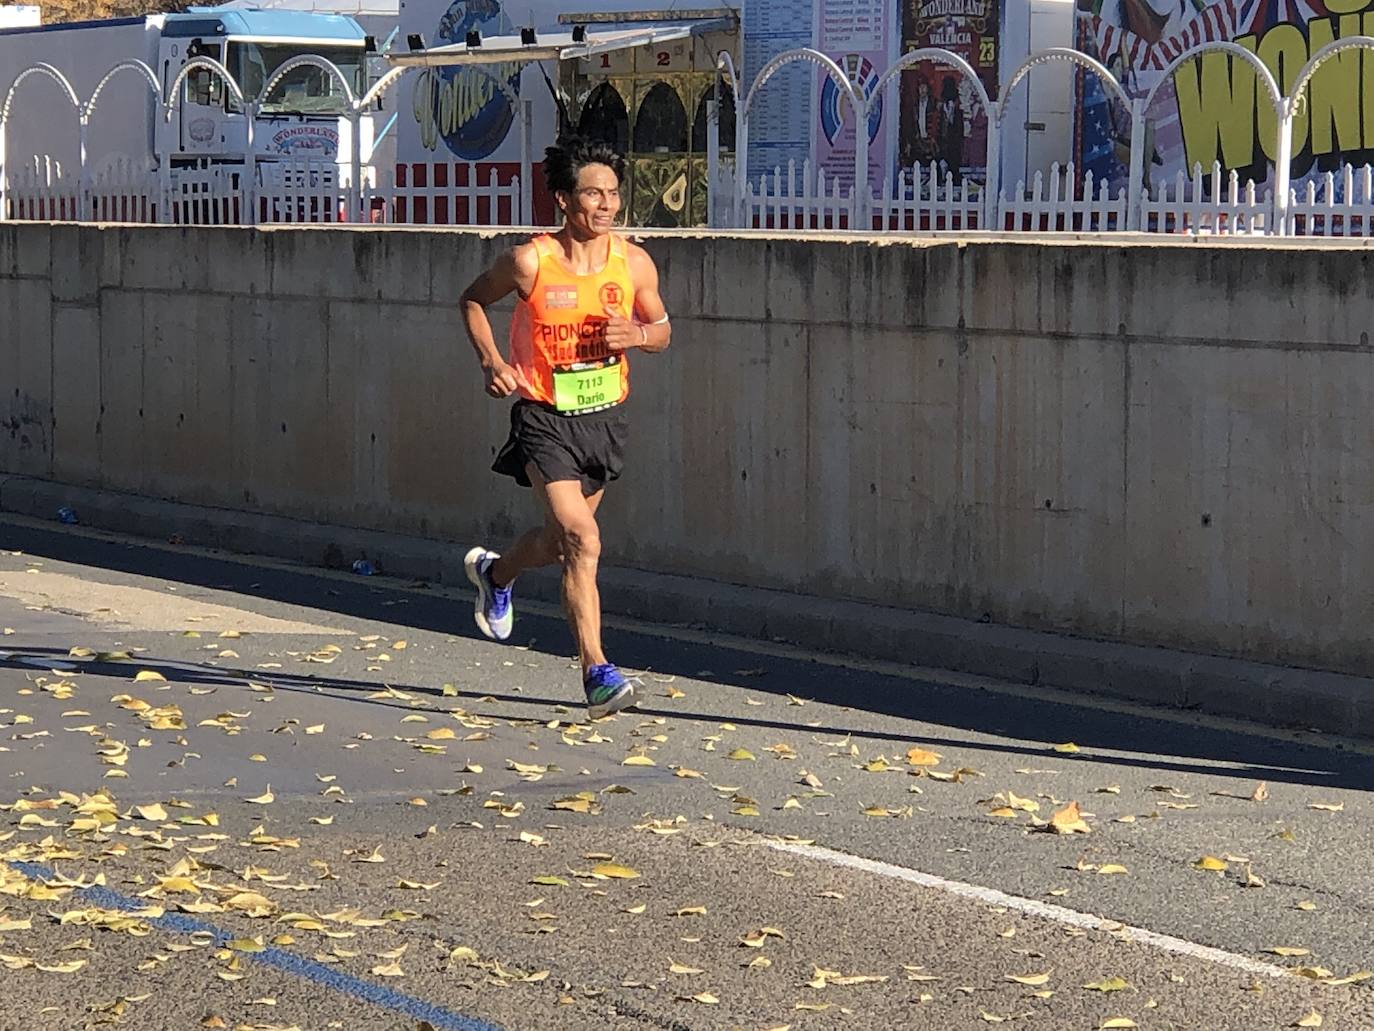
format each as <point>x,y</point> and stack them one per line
<point>493,610</point>
<point>607,691</point>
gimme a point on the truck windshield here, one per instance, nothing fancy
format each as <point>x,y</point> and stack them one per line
<point>305,90</point>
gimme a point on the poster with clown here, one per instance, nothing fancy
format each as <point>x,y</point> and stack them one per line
<point>1212,109</point>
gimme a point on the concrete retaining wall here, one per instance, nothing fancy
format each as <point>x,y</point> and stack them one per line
<point>1157,442</point>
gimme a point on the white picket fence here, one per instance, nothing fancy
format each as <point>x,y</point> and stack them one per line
<point>40,191</point>
<point>1068,205</point>
<point>1339,207</point>
<point>811,200</point>
<point>287,191</point>
<point>1212,205</point>
<point>920,200</point>
<point>449,194</point>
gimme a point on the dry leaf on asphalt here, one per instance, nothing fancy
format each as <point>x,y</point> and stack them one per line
<point>1069,820</point>
<point>1109,984</point>
<point>614,871</point>
<point>1312,1019</point>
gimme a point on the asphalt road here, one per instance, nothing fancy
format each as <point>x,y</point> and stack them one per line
<point>246,795</point>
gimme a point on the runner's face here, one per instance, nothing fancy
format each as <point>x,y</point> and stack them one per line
<point>595,202</point>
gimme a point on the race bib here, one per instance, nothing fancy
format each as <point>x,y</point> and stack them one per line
<point>589,386</point>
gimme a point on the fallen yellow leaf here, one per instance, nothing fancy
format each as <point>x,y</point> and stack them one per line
<point>1110,984</point>
<point>1210,863</point>
<point>1069,820</point>
<point>1312,1019</point>
<point>615,870</point>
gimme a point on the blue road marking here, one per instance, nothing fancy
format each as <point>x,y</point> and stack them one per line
<point>288,962</point>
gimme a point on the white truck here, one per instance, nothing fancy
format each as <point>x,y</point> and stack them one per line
<point>306,115</point>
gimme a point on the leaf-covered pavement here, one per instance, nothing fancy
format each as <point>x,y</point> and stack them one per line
<point>334,769</point>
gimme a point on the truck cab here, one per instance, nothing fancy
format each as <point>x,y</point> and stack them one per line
<point>307,113</point>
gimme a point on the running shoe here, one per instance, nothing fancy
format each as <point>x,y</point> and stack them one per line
<point>607,691</point>
<point>493,610</point>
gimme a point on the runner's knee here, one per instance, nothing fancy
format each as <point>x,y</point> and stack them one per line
<point>581,542</point>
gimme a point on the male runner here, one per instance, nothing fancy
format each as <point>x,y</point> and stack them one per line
<point>585,298</point>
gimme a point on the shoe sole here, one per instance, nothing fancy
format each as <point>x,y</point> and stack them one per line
<point>470,561</point>
<point>622,699</point>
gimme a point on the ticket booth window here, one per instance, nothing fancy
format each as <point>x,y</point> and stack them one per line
<point>604,118</point>
<point>661,122</point>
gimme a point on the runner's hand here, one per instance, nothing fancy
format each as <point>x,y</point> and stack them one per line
<point>502,380</point>
<point>621,333</point>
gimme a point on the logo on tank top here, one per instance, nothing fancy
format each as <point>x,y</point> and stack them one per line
<point>560,297</point>
<point>612,295</point>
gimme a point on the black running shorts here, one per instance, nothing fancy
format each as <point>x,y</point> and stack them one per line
<point>588,448</point>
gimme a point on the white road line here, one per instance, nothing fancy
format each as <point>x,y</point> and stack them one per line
<point>1032,907</point>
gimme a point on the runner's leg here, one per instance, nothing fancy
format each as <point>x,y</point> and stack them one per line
<point>536,547</point>
<point>574,517</point>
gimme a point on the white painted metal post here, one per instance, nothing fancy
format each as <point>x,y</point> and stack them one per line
<point>250,166</point>
<point>992,183</point>
<point>1135,184</point>
<point>354,194</point>
<point>741,166</point>
<point>526,214</point>
<point>82,173</point>
<point>1283,167</point>
<point>713,160</point>
<point>861,219</point>
<point>4,174</point>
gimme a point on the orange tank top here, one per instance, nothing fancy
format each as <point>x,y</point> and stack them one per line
<point>558,335</point>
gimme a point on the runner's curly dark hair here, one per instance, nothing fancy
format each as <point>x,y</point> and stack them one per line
<point>566,158</point>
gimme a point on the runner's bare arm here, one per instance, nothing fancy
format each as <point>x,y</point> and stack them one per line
<point>514,271</point>
<point>651,330</point>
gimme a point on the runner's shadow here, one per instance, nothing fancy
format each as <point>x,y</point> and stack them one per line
<point>177,671</point>
<point>1160,744</point>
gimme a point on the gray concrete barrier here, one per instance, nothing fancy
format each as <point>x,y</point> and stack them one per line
<point>1151,442</point>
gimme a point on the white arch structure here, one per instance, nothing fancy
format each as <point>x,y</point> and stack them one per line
<point>857,103</point>
<point>1285,106</point>
<point>171,99</point>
